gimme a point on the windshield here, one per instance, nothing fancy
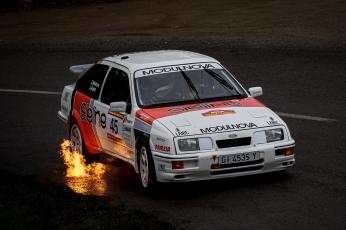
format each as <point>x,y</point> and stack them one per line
<point>182,84</point>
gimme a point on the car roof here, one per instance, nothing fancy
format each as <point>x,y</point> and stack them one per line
<point>150,59</point>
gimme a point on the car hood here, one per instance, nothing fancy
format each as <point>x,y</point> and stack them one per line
<point>209,118</point>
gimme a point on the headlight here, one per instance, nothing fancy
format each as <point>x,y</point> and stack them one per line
<point>274,135</point>
<point>195,144</point>
<point>267,136</point>
<point>190,144</point>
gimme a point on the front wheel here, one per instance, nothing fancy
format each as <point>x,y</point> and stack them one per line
<point>78,145</point>
<point>146,168</point>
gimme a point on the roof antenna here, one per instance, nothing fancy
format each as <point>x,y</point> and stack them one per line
<point>124,57</point>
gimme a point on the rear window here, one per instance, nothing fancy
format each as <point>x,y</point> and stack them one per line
<point>91,82</point>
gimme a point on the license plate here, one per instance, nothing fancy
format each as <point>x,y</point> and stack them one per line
<point>239,157</point>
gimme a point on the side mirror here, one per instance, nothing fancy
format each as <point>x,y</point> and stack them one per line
<point>256,91</point>
<point>119,106</point>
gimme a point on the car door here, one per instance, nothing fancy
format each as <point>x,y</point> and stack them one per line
<point>88,89</point>
<point>116,138</point>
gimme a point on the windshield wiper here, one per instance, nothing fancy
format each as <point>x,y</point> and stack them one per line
<point>191,86</point>
<point>221,81</point>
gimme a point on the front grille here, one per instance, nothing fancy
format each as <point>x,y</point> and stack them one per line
<point>228,143</point>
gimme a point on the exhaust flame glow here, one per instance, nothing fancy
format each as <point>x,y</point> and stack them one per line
<point>82,177</point>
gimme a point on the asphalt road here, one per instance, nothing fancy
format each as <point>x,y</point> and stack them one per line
<point>311,195</point>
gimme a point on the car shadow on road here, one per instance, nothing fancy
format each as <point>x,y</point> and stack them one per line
<point>122,178</point>
<point>201,188</point>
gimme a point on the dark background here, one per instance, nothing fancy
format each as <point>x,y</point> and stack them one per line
<point>295,50</point>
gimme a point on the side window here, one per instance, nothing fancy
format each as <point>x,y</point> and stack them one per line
<point>91,82</point>
<point>116,87</point>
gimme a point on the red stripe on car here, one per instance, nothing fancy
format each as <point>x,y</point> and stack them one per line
<point>84,117</point>
<point>149,115</point>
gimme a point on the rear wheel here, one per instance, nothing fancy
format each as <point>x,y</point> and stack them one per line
<point>146,168</point>
<point>76,139</point>
<point>77,144</point>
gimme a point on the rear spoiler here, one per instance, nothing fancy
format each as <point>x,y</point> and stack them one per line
<point>79,70</point>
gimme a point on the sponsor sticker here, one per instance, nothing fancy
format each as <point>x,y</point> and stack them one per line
<point>127,129</point>
<point>203,106</point>
<point>212,113</point>
<point>144,117</point>
<point>179,132</point>
<point>92,115</point>
<point>272,121</point>
<point>93,86</point>
<point>176,68</point>
<point>127,121</point>
<point>127,139</point>
<point>160,139</point>
<point>163,148</point>
<point>230,127</point>
<point>117,114</point>
<point>114,139</point>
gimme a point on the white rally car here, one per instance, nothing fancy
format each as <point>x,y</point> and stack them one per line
<point>175,116</point>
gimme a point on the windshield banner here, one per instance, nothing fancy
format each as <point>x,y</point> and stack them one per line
<point>176,68</point>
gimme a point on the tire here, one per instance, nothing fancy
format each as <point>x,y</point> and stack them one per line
<point>146,168</point>
<point>77,142</point>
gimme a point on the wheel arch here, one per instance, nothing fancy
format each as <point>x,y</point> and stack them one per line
<point>140,137</point>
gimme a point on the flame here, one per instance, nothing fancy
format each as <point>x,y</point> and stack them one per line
<point>82,177</point>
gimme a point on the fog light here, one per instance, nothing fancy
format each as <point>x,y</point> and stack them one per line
<point>289,151</point>
<point>177,164</point>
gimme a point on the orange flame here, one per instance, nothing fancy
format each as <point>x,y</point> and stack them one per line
<point>82,177</point>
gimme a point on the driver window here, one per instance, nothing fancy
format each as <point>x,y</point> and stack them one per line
<point>116,87</point>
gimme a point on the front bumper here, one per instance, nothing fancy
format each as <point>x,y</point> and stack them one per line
<point>198,166</point>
